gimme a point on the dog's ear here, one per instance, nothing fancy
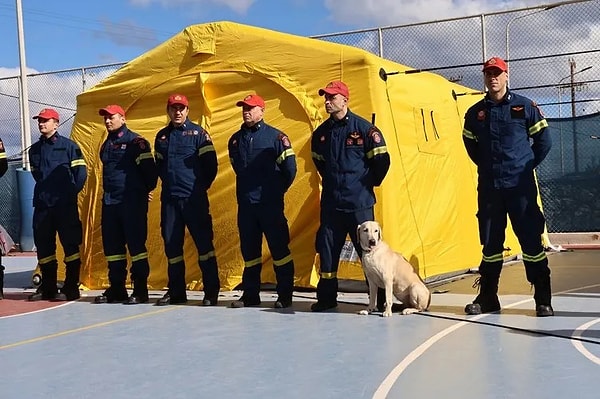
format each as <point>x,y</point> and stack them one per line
<point>358,230</point>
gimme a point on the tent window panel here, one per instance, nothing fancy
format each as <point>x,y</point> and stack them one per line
<point>429,138</point>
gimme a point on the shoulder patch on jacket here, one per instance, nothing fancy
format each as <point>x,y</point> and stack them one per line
<point>140,142</point>
<point>285,141</point>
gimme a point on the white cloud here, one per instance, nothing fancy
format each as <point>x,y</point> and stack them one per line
<point>238,6</point>
<point>398,12</point>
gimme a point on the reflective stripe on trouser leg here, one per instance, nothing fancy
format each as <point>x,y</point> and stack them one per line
<point>72,270</point>
<point>284,273</point>
<point>49,268</point>
<point>140,268</point>
<point>251,235</point>
<point>173,230</point>
<point>117,270</point>
<point>176,273</point>
<point>210,274</point>
<point>251,278</point>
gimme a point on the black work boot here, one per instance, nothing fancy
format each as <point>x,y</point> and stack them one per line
<point>1,282</point>
<point>70,289</point>
<point>113,294</point>
<point>487,301</point>
<point>283,301</point>
<point>326,295</point>
<point>48,289</point>
<point>543,296</point>
<point>139,294</point>
<point>246,301</point>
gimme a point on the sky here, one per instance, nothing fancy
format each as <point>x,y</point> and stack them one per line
<point>65,34</point>
<point>74,35</point>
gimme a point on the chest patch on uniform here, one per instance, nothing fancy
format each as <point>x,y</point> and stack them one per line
<point>354,138</point>
<point>481,115</point>
<point>517,112</point>
<point>190,133</point>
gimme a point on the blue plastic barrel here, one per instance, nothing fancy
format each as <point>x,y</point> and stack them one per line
<point>25,184</point>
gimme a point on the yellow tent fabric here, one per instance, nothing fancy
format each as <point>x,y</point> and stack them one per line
<point>426,205</point>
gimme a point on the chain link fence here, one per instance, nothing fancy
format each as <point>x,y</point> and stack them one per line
<point>56,90</point>
<point>554,57</point>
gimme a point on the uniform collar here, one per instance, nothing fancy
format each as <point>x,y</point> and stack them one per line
<point>50,140</point>
<point>117,134</point>
<point>253,128</point>
<point>184,126</point>
<point>507,98</point>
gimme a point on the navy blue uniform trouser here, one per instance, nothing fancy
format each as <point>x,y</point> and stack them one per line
<point>193,212</point>
<point>520,204</point>
<point>331,236</point>
<point>254,220</point>
<point>126,224</point>
<point>47,222</point>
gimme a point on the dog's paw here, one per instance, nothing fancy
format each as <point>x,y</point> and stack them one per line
<point>364,312</point>
<point>409,311</point>
<point>386,313</point>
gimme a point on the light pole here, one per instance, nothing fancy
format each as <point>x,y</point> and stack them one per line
<point>23,90</point>
<point>574,132</point>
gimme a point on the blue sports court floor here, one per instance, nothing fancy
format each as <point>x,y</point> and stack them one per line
<point>83,350</point>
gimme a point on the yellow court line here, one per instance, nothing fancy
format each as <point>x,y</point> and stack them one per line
<point>75,330</point>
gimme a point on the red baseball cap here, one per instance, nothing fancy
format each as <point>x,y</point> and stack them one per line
<point>47,113</point>
<point>335,87</point>
<point>111,110</point>
<point>495,62</point>
<point>177,99</point>
<point>252,100</point>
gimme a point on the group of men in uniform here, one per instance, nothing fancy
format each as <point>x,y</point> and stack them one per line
<point>505,135</point>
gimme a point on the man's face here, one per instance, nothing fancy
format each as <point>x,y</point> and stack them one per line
<point>47,127</point>
<point>252,115</point>
<point>177,113</point>
<point>335,103</point>
<point>113,122</point>
<point>495,80</point>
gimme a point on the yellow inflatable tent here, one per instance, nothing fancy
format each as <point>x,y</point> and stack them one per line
<point>426,205</point>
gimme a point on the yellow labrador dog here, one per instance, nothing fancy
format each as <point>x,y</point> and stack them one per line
<point>387,269</point>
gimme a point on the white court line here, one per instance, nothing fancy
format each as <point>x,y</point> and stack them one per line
<point>389,381</point>
<point>36,311</point>
<point>579,345</point>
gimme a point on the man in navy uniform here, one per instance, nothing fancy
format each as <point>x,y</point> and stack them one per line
<point>507,136</point>
<point>59,171</point>
<point>128,176</point>
<point>265,167</point>
<point>351,156</point>
<point>187,166</point>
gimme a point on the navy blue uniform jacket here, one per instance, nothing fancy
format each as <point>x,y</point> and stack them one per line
<point>506,140</point>
<point>264,163</point>
<point>186,160</point>
<point>59,171</point>
<point>129,167</point>
<point>352,158</point>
